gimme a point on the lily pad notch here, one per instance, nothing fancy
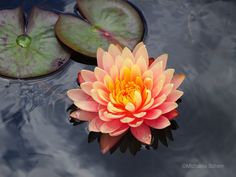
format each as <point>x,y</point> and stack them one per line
<point>101,22</point>
<point>29,51</point>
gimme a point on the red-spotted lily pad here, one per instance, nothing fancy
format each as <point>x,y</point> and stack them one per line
<point>32,50</point>
<point>106,21</point>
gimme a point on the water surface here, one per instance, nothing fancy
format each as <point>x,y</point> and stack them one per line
<point>36,138</point>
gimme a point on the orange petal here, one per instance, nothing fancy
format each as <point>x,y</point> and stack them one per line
<point>108,82</point>
<point>160,123</point>
<point>84,115</point>
<point>114,50</point>
<point>88,76</point>
<point>100,53</point>
<point>138,99</point>
<point>110,126</point>
<point>142,133</point>
<point>102,115</point>
<point>162,58</point>
<point>135,72</point>
<point>87,105</point>
<point>174,96</point>
<point>77,95</point>
<point>107,142</point>
<point>87,87</point>
<point>153,114</point>
<point>108,61</point>
<point>148,82</point>
<point>167,107</point>
<point>177,80</point>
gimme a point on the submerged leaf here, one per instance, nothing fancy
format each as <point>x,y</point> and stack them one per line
<point>107,21</point>
<point>30,51</point>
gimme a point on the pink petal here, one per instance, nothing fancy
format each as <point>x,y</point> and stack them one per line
<point>84,115</point>
<point>102,116</point>
<point>110,126</point>
<point>140,114</point>
<point>87,105</point>
<point>157,69</point>
<point>167,107</point>
<point>92,127</point>
<point>162,58</point>
<point>136,123</point>
<point>87,87</point>
<point>77,95</point>
<point>137,47</point>
<point>114,72</point>
<point>127,119</point>
<point>174,96</point>
<point>177,80</point>
<point>160,123</point>
<point>88,76</point>
<point>142,52</point>
<point>107,142</point>
<point>97,98</point>
<point>113,116</point>
<point>169,75</point>
<point>79,78</point>
<point>126,53</point>
<point>114,50</point>
<point>142,64</point>
<point>100,74</point>
<point>158,101</point>
<point>108,61</point>
<point>121,130</point>
<point>166,90</point>
<point>111,108</point>
<point>172,114</point>
<point>142,133</point>
<point>158,85</point>
<point>130,107</point>
<point>100,53</point>
<point>99,85</point>
<point>153,114</point>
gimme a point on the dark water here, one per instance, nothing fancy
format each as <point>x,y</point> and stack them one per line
<point>36,138</point>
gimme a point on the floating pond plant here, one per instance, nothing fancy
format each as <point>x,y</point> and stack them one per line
<point>102,22</point>
<point>127,92</point>
<point>30,50</point>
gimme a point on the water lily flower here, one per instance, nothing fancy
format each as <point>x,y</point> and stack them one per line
<point>125,92</point>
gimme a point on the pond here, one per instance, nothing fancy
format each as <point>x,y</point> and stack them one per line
<point>37,139</point>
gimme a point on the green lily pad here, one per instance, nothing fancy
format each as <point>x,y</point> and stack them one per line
<point>32,50</point>
<point>106,21</point>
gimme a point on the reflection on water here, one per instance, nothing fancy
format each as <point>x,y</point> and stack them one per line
<point>37,139</point>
